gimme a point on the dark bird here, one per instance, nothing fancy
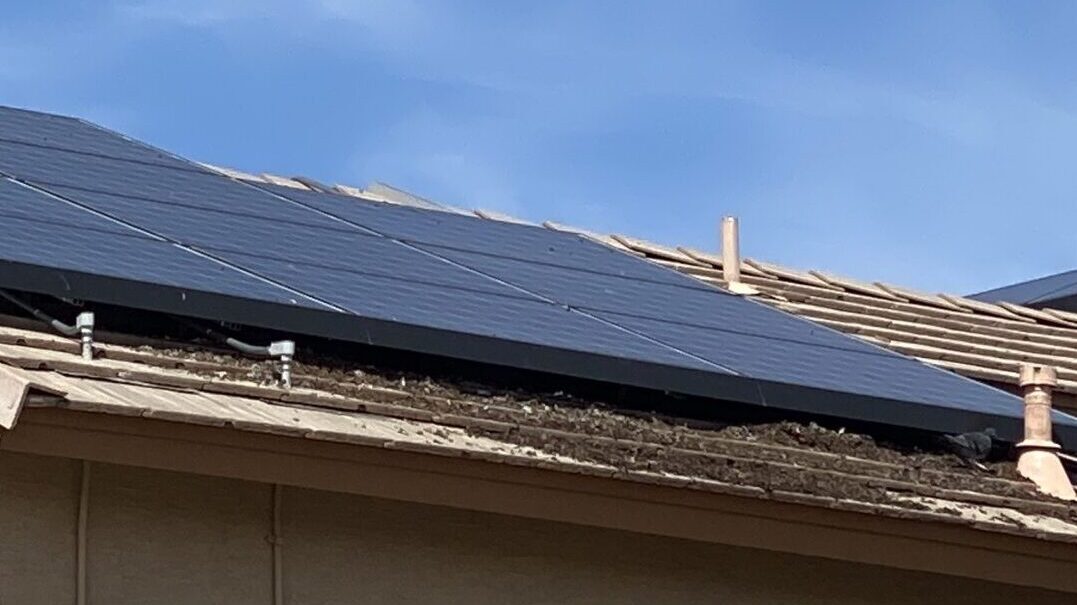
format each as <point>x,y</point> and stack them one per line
<point>971,447</point>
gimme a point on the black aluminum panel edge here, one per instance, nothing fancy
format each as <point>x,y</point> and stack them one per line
<point>483,349</point>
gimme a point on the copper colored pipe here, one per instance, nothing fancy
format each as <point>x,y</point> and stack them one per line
<point>1037,458</point>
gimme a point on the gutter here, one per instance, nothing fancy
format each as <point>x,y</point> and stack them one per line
<point>13,390</point>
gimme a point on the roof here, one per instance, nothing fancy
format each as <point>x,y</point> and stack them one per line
<point>986,341</point>
<point>363,406</point>
<point>1057,291</point>
<point>295,256</point>
<point>801,464</point>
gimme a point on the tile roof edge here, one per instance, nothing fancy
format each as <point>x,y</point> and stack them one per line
<point>559,463</point>
<point>118,369</point>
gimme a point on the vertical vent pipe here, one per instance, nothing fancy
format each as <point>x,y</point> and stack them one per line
<point>731,261</point>
<point>1037,454</point>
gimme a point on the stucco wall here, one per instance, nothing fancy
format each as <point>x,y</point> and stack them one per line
<point>159,537</point>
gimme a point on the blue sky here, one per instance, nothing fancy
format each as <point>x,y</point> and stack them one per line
<point>929,144</point>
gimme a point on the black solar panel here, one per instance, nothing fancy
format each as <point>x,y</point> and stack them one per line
<point>93,215</point>
<point>40,230</point>
<point>453,231</point>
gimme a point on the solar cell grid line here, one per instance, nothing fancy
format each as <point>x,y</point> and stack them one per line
<point>68,167</point>
<point>886,377</point>
<point>487,314</point>
<point>711,308</point>
<point>60,248</point>
<point>62,202</point>
<point>202,189</point>
<point>546,285</point>
<point>347,249</point>
<point>471,233</point>
<point>524,291</point>
<point>824,339</point>
<point>18,200</point>
<point>81,196</point>
<point>615,345</point>
<point>75,134</point>
<point>816,357</point>
<point>835,342</point>
<point>547,288</point>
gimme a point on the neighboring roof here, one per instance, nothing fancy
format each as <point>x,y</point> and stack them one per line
<point>981,340</point>
<point>801,464</point>
<point>1057,291</point>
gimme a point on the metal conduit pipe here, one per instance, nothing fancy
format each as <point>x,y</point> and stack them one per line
<point>80,536</point>
<point>284,350</point>
<point>83,327</point>
<point>278,544</point>
<point>57,325</point>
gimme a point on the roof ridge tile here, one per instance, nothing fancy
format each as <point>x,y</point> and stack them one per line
<point>653,249</point>
<point>988,308</point>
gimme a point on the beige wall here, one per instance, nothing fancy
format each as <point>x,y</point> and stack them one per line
<point>161,537</point>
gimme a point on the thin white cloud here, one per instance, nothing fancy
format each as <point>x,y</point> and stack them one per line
<point>453,162</point>
<point>384,20</point>
<point>204,13</point>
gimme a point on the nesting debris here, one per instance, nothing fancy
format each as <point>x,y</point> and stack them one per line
<point>782,456</point>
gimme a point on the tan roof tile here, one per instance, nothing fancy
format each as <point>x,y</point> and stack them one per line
<point>598,237</point>
<point>1061,314</point>
<point>656,250</point>
<point>282,181</point>
<point>922,297</point>
<point>988,308</point>
<point>349,190</point>
<point>715,260</point>
<point>856,285</point>
<point>494,215</point>
<point>1037,315</point>
<point>784,273</point>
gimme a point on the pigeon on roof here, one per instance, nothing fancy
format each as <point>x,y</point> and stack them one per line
<point>971,447</point>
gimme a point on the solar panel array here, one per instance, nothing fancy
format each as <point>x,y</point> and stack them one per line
<point>94,215</point>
